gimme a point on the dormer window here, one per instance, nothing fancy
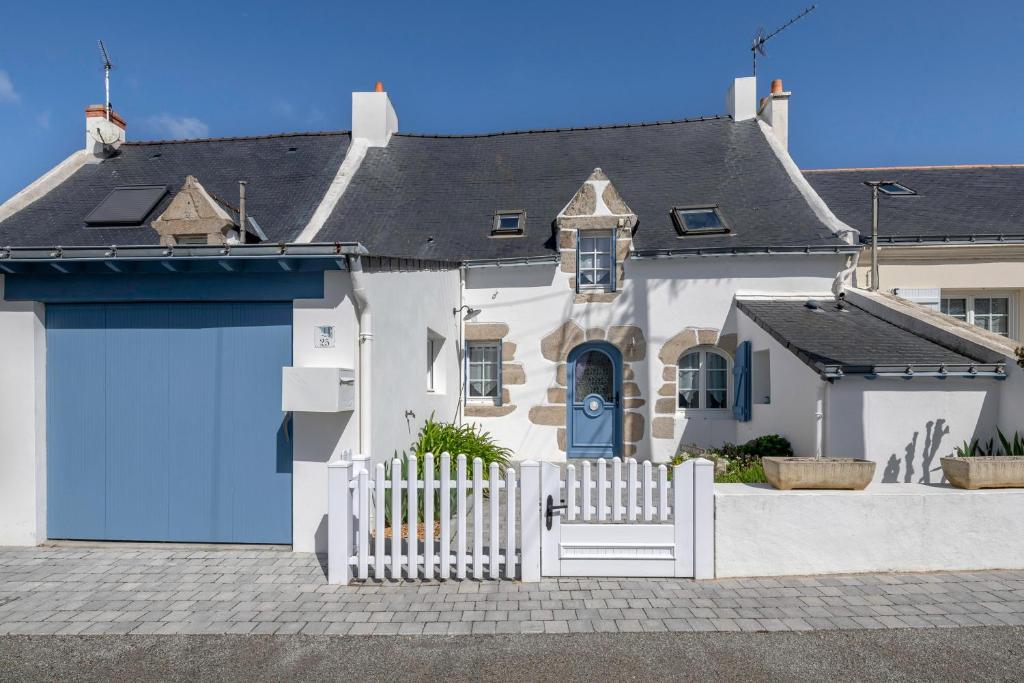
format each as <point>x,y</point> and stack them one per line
<point>699,220</point>
<point>507,223</point>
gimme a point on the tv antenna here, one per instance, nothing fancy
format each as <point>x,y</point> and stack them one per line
<point>107,66</point>
<point>760,38</point>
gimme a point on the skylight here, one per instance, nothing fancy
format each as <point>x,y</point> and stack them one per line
<point>699,220</point>
<point>126,205</point>
<point>895,189</point>
<point>509,223</point>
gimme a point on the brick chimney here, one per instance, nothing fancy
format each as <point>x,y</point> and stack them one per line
<point>373,118</point>
<point>774,111</point>
<point>103,137</point>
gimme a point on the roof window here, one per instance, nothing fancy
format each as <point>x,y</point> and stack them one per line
<point>894,188</point>
<point>699,220</point>
<point>509,223</point>
<point>126,205</point>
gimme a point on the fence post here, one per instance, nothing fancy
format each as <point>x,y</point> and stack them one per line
<point>359,463</point>
<point>682,516</point>
<point>703,519</point>
<point>529,498</point>
<point>339,521</point>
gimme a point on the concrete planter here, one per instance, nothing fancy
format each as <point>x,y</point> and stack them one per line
<point>818,473</point>
<point>992,472</point>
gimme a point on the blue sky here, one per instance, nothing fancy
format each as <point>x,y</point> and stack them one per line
<point>874,83</point>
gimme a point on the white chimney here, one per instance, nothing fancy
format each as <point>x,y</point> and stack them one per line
<point>741,99</point>
<point>103,135</point>
<point>373,118</point>
<point>775,112</point>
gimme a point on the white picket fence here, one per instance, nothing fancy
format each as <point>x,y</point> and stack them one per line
<point>620,518</point>
<point>466,509</point>
<point>610,497</point>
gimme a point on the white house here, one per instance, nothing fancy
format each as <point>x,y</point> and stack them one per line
<point>190,330</point>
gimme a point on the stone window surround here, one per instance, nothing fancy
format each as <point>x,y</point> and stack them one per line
<point>663,424</point>
<point>512,373</point>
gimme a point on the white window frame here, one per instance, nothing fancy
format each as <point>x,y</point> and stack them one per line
<point>495,400</point>
<point>600,237</point>
<point>971,295</point>
<point>702,383</point>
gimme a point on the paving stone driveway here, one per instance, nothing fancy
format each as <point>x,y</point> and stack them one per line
<point>117,590</point>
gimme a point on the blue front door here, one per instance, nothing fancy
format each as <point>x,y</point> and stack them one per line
<point>164,422</point>
<point>595,381</point>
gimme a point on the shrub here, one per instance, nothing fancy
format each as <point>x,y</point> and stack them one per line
<point>445,437</point>
<point>970,449</point>
<point>768,446</point>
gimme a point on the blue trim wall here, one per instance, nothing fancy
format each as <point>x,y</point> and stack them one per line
<point>180,286</point>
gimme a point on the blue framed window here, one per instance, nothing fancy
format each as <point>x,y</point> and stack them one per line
<point>595,261</point>
<point>483,372</point>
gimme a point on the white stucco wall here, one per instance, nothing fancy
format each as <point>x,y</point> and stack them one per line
<point>405,305</point>
<point>906,426</point>
<point>319,437</point>
<point>22,422</point>
<point>794,393</point>
<point>661,296</point>
<point>886,528</point>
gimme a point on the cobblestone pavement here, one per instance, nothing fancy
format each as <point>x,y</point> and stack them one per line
<point>120,590</point>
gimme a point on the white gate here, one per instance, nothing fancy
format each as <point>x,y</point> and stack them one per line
<point>637,523</point>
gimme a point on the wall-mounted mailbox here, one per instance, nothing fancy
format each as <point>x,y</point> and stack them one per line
<point>318,390</point>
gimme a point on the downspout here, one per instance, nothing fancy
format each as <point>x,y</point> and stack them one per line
<point>461,349</point>
<point>365,321</point>
<point>821,417</point>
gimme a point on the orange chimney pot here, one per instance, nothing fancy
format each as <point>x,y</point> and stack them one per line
<point>776,86</point>
<point>380,86</point>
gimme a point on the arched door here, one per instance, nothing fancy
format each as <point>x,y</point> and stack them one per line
<point>594,401</point>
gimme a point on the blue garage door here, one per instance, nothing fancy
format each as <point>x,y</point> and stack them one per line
<point>164,422</point>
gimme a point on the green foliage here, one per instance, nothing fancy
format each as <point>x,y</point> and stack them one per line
<point>444,437</point>
<point>970,449</point>
<point>738,463</point>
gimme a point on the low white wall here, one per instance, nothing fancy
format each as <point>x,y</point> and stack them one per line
<point>887,528</point>
<point>22,422</point>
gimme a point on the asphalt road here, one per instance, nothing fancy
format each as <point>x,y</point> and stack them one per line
<point>989,653</point>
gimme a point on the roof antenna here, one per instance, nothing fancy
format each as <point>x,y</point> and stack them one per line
<point>757,45</point>
<point>107,66</point>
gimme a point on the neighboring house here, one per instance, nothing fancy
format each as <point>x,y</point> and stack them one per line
<point>183,354</point>
<point>950,237</point>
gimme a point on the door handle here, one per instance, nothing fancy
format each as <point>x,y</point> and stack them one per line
<point>550,510</point>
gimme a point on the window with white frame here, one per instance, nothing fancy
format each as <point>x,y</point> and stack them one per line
<point>987,311</point>
<point>483,371</point>
<point>703,380</point>
<point>595,265</point>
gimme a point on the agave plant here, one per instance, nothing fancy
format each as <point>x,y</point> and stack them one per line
<point>1011,447</point>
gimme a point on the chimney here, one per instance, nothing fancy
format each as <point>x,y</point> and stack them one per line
<point>741,99</point>
<point>775,112</point>
<point>102,136</point>
<point>373,118</point>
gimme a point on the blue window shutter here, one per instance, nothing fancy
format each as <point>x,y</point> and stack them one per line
<point>611,260</point>
<point>741,383</point>
<point>501,365</point>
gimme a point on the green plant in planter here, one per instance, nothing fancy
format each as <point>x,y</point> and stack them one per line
<point>970,449</point>
<point>446,437</point>
<point>768,446</point>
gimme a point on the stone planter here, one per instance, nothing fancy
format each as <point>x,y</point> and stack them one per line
<point>991,472</point>
<point>818,473</point>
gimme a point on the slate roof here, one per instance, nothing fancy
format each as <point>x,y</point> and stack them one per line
<point>953,202</point>
<point>852,340</point>
<point>434,197</point>
<point>284,187</point>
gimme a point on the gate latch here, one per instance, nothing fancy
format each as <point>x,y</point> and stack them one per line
<point>550,510</point>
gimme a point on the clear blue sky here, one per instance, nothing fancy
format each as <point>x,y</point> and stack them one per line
<point>874,83</point>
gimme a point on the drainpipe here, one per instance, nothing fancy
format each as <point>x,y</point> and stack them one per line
<point>365,318</point>
<point>820,414</point>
